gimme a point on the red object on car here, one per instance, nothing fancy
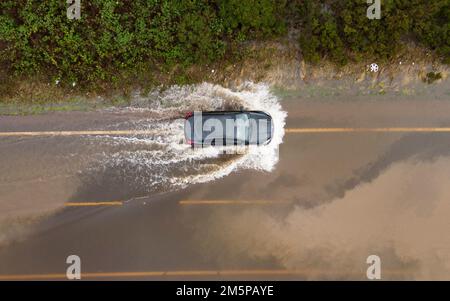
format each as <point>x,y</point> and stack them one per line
<point>188,114</point>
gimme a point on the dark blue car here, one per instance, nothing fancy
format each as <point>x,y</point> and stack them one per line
<point>223,128</point>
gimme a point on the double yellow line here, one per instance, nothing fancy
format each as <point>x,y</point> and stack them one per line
<point>186,203</point>
<point>201,273</point>
<point>76,133</point>
<point>288,131</point>
<point>369,130</point>
<point>232,202</point>
<point>93,204</point>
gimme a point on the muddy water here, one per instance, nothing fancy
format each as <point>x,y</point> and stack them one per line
<point>353,195</point>
<point>345,196</point>
<point>41,173</point>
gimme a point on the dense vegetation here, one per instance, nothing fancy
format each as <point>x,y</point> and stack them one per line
<point>36,37</point>
<point>113,35</point>
<point>341,30</point>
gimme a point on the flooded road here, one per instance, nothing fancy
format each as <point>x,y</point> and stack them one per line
<point>311,206</point>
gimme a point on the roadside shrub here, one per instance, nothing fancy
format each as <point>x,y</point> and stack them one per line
<point>138,36</point>
<point>36,37</point>
<point>341,30</point>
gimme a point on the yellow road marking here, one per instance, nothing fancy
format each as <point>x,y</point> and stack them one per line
<point>288,131</point>
<point>76,133</point>
<point>231,202</point>
<point>81,204</point>
<point>185,202</point>
<point>368,130</point>
<point>197,273</point>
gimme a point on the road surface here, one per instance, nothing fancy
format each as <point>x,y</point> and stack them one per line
<point>333,199</point>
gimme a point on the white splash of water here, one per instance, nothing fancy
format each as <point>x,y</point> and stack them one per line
<point>163,159</point>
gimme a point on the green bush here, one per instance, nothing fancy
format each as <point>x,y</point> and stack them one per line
<point>112,36</point>
<point>341,30</point>
<point>432,27</point>
<point>36,37</point>
<point>253,18</point>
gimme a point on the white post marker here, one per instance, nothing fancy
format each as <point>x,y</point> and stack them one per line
<point>374,67</point>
